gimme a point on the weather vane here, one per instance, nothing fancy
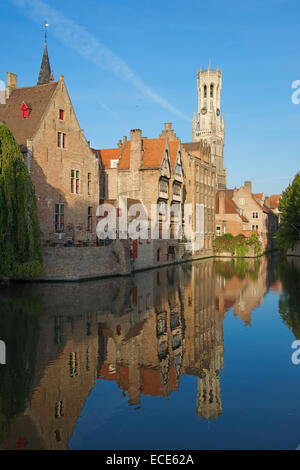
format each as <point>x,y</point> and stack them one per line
<point>46,25</point>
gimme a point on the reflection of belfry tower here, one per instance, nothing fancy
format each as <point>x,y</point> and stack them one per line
<point>209,403</point>
<point>209,124</point>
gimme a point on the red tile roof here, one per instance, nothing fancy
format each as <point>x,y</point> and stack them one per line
<point>274,201</point>
<point>153,151</point>
<point>173,146</point>
<point>106,155</point>
<point>258,195</point>
<point>230,205</point>
<point>37,98</point>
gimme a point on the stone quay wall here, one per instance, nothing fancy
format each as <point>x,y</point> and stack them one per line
<point>295,251</point>
<point>76,263</point>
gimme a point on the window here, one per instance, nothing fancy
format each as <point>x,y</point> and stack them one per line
<point>59,218</point>
<point>90,219</point>
<point>205,91</point>
<point>25,111</point>
<point>59,410</point>
<point>89,183</point>
<point>61,140</point>
<point>61,114</point>
<point>176,189</point>
<point>255,215</point>
<point>212,90</point>
<point>218,231</point>
<point>161,327</point>
<point>242,201</point>
<point>255,227</point>
<point>75,177</point>
<point>73,363</point>
<point>114,163</point>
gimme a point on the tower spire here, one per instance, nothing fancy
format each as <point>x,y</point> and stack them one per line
<point>45,70</point>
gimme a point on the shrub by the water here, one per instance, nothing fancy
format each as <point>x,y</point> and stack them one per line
<point>238,245</point>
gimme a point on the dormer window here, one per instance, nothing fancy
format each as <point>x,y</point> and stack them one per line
<point>61,114</point>
<point>25,109</point>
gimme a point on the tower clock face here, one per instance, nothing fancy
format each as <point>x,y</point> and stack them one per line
<point>218,112</point>
<point>203,110</point>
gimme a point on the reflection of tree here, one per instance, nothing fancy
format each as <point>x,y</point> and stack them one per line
<point>289,302</point>
<point>19,319</point>
<point>238,267</point>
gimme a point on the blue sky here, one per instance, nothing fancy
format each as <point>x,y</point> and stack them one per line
<point>133,63</point>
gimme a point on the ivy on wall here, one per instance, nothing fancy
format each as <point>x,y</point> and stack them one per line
<point>237,246</point>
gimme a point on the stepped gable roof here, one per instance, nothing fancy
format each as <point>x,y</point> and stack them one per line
<point>35,97</point>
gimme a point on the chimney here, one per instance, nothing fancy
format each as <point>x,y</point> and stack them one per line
<point>221,202</point>
<point>248,186</point>
<point>11,83</point>
<point>135,149</point>
<point>120,143</point>
<point>168,126</point>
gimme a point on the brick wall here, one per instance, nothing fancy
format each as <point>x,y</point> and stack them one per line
<point>74,263</point>
<point>51,170</point>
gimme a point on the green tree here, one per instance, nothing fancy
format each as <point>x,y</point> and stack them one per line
<point>289,206</point>
<point>20,240</point>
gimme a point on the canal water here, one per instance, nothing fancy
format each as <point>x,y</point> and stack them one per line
<point>197,356</point>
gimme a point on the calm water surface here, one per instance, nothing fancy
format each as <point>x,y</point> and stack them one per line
<point>196,356</point>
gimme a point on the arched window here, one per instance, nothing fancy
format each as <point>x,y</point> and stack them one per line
<point>205,91</point>
<point>212,90</point>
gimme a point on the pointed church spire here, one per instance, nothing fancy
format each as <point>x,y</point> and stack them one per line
<point>45,71</point>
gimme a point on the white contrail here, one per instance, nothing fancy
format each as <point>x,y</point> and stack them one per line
<point>78,38</point>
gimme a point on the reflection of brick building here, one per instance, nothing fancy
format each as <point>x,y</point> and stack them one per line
<point>242,290</point>
<point>143,333</point>
<point>62,166</point>
<point>182,334</point>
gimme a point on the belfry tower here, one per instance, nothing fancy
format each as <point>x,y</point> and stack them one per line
<point>208,123</point>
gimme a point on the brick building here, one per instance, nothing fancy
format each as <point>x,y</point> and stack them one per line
<point>150,171</point>
<point>63,168</point>
<point>239,211</point>
<point>200,188</point>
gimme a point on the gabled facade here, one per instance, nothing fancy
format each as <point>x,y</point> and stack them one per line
<point>239,210</point>
<point>63,168</point>
<point>150,171</point>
